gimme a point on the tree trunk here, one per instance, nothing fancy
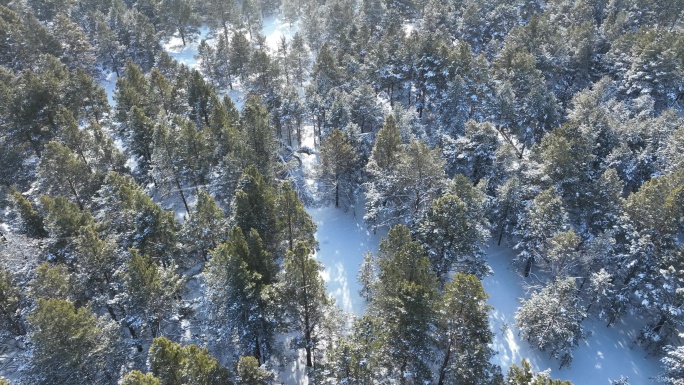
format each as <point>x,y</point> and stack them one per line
<point>180,190</point>
<point>337,194</point>
<point>257,351</point>
<point>528,266</point>
<point>402,373</point>
<point>445,363</point>
<point>503,224</point>
<point>180,30</point>
<point>73,191</point>
<point>290,234</point>
<point>660,324</point>
<point>309,357</point>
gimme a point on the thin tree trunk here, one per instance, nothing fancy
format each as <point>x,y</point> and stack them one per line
<point>445,363</point>
<point>73,191</point>
<point>402,376</point>
<point>180,190</point>
<point>337,194</point>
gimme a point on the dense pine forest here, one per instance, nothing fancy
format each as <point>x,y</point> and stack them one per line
<point>157,232</point>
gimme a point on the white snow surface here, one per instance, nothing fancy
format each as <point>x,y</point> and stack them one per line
<point>186,54</point>
<point>109,85</point>
<point>343,239</point>
<point>274,28</point>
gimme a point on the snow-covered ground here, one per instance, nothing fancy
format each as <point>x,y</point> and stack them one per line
<point>274,29</point>
<point>186,53</point>
<point>343,239</point>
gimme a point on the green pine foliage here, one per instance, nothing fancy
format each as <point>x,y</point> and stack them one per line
<point>171,363</point>
<point>240,276</point>
<point>405,305</point>
<point>32,222</point>
<point>136,377</point>
<point>152,290</point>
<point>292,219</point>
<point>551,319</point>
<point>463,327</point>
<point>523,374</point>
<point>304,299</point>
<point>338,161</point>
<point>10,304</point>
<point>72,345</point>
<point>250,373</point>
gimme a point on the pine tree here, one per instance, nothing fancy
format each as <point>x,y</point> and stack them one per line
<point>673,366</point>
<point>304,298</point>
<point>96,258</point>
<point>240,276</point>
<point>77,52</point>
<point>64,220</point>
<point>161,92</point>
<point>239,55</point>
<point>205,229</point>
<point>387,146</point>
<point>524,375</point>
<point>476,149</point>
<point>32,222</point>
<point>365,111</point>
<point>84,97</point>
<point>562,255</point>
<point>53,282</point>
<point>250,373</point>
<point>62,172</point>
<point>551,319</point>
<point>508,206</point>
<point>166,361</point>
<point>71,345</point>
<point>605,202</point>
<point>260,138</point>
<point>354,359</point>
<point>406,291</point>
<point>181,157</point>
<point>173,364</point>
<point>151,290</point>
<point>136,377</point>
<point>298,58</point>
<point>179,16</point>
<point>452,238</point>
<point>368,276</point>
<point>10,304</point>
<point>464,333</point>
<point>567,159</point>
<point>338,161</point>
<point>221,14</point>
<point>139,138</point>
<point>254,207</point>
<point>137,221</point>
<point>407,192</point>
<point>292,219</point>
<point>544,218</point>
<point>140,38</point>
<point>201,368</point>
